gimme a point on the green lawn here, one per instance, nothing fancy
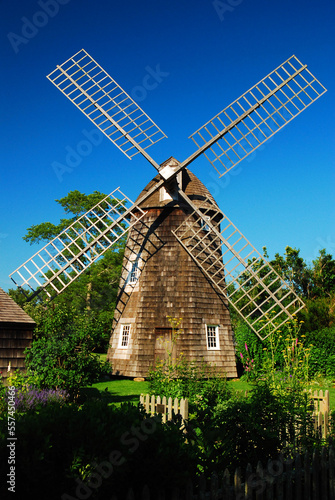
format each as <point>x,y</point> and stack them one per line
<point>119,391</point>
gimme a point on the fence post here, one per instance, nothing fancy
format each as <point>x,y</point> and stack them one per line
<point>247,483</point>
<point>288,481</point>
<point>331,473</point>
<point>226,488</point>
<point>214,487</point>
<point>326,401</point>
<point>170,408</point>
<point>238,483</point>
<point>130,495</point>
<point>298,473</point>
<point>307,482</point>
<point>152,404</point>
<point>175,406</point>
<point>261,482</point>
<point>323,475</point>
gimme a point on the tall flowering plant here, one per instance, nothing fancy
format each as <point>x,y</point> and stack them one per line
<point>248,363</point>
<point>287,345</point>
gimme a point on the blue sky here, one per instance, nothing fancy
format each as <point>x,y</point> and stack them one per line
<point>202,55</point>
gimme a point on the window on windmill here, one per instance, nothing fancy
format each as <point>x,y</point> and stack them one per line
<point>212,337</point>
<point>133,273</point>
<point>203,223</point>
<point>124,336</point>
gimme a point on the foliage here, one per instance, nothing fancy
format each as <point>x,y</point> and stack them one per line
<point>57,316</point>
<point>314,283</point>
<point>93,294</point>
<point>322,352</point>
<point>319,313</point>
<point>248,362</point>
<point>181,378</point>
<point>244,430</point>
<point>293,269</point>
<point>94,449</point>
<point>291,374</point>
<point>33,399</point>
<point>64,360</point>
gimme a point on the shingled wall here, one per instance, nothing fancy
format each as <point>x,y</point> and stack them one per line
<point>16,332</point>
<point>169,284</point>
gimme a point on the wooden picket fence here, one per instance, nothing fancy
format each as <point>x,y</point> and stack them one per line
<point>305,478</point>
<point>166,406</point>
<point>321,412</point>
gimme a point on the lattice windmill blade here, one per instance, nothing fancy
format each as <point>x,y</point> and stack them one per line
<point>257,115</point>
<point>62,260</point>
<point>106,104</point>
<point>238,271</point>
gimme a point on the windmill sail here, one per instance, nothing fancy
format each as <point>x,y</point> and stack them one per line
<point>63,259</point>
<point>106,104</point>
<point>238,271</point>
<point>257,115</point>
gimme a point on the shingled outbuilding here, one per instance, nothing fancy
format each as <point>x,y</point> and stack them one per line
<point>16,333</point>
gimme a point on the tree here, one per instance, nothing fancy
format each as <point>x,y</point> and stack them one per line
<point>323,275</point>
<point>294,270</point>
<point>93,294</point>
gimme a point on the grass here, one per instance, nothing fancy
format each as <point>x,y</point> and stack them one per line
<point>119,391</point>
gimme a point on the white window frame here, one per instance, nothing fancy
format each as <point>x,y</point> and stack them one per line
<point>212,337</point>
<point>124,336</point>
<point>205,226</point>
<point>164,195</point>
<point>133,273</point>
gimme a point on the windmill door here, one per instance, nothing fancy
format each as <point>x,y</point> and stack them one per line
<point>163,344</point>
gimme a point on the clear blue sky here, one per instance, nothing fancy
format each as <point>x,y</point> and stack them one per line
<point>205,55</point>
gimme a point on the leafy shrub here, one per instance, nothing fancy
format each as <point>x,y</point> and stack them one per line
<point>318,314</point>
<point>64,362</point>
<point>322,352</point>
<point>93,448</point>
<point>244,430</point>
<point>201,384</point>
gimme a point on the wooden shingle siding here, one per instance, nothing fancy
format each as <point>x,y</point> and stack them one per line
<point>169,284</point>
<point>16,332</point>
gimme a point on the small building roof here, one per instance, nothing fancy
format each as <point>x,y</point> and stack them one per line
<point>11,312</point>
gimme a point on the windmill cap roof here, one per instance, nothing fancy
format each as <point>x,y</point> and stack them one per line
<point>189,183</point>
<point>11,312</point>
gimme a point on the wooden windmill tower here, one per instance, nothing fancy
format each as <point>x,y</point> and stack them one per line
<point>183,257</point>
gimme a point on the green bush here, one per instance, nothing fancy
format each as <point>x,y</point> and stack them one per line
<point>244,430</point>
<point>180,378</point>
<point>322,352</point>
<point>93,448</point>
<point>64,361</point>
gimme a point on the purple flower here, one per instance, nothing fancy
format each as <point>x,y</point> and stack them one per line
<point>241,355</point>
<point>32,398</point>
<point>246,347</point>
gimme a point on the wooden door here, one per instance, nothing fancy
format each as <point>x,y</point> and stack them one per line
<point>163,343</point>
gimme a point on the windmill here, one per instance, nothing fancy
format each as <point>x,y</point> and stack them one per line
<point>183,256</point>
